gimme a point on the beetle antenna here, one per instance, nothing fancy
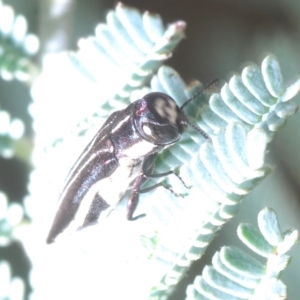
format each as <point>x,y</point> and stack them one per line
<point>198,129</point>
<point>207,86</point>
<point>186,122</point>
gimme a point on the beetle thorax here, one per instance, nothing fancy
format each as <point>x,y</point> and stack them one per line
<point>126,139</point>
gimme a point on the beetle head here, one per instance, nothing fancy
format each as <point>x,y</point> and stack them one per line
<point>158,119</point>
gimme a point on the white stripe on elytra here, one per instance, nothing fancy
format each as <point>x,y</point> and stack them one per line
<point>81,157</point>
<point>111,189</point>
<point>73,175</point>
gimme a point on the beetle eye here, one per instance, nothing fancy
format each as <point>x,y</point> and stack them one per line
<point>158,119</point>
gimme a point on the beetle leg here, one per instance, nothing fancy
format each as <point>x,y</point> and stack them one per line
<point>148,168</point>
<point>134,198</point>
<point>98,205</point>
<point>147,172</point>
<point>168,173</point>
<point>150,188</point>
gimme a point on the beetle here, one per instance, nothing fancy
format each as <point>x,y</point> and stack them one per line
<point>119,158</point>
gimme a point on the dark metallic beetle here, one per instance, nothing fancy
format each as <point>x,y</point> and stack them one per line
<point>119,158</point>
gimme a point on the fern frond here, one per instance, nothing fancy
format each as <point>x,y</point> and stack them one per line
<point>130,47</point>
<point>16,46</point>
<point>222,171</point>
<point>124,54</point>
<point>234,274</point>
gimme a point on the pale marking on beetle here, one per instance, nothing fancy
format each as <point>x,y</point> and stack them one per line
<point>147,130</point>
<point>168,112</point>
<point>120,124</point>
<point>111,189</point>
<point>139,149</point>
<point>74,175</point>
<point>78,162</point>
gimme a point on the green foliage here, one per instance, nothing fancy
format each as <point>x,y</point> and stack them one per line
<point>10,132</point>
<point>241,120</point>
<point>234,274</point>
<point>11,215</point>
<point>16,46</point>
<point>11,287</point>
